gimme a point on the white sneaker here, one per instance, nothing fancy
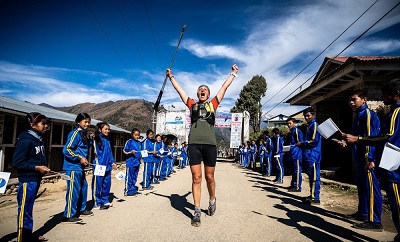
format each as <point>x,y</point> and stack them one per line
<point>108,204</point>
<point>96,207</point>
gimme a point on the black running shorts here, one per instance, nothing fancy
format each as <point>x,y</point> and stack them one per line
<point>205,153</point>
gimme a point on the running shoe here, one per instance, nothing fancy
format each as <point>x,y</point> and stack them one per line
<point>71,220</point>
<point>196,219</point>
<point>212,207</point>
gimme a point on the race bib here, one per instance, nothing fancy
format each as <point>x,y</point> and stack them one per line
<point>161,151</point>
<point>99,170</point>
<point>144,153</point>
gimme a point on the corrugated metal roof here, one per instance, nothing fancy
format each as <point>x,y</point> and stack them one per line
<point>27,107</point>
<point>363,58</point>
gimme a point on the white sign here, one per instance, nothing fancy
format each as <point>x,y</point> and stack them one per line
<point>327,128</point>
<point>120,175</point>
<point>236,130</point>
<point>99,170</point>
<point>286,148</point>
<point>144,153</point>
<point>4,176</point>
<point>390,157</point>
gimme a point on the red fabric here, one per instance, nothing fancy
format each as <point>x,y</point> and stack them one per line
<point>191,102</point>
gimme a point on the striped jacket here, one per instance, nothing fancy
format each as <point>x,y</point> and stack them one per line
<point>295,136</point>
<point>76,148</point>
<point>366,123</point>
<point>390,132</point>
<point>312,143</point>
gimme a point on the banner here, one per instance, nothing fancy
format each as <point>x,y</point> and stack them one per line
<point>174,118</point>
<point>236,130</point>
<point>223,120</point>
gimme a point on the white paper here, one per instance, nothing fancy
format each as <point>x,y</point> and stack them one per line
<point>161,151</point>
<point>286,148</point>
<point>144,153</point>
<point>120,175</point>
<point>4,176</point>
<point>99,170</point>
<point>175,154</point>
<point>390,157</point>
<point>327,128</point>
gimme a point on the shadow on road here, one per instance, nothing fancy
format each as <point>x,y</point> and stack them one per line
<point>49,225</point>
<point>178,202</point>
<point>307,219</point>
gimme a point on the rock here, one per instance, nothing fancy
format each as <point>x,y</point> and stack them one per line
<point>12,186</point>
<point>15,190</point>
<point>8,192</point>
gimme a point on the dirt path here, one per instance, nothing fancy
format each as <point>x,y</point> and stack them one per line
<point>250,208</point>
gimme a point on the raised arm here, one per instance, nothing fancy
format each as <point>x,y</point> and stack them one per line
<point>227,83</point>
<point>177,87</point>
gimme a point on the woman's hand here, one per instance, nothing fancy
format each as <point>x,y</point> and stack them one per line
<point>114,166</point>
<point>235,69</point>
<point>169,73</point>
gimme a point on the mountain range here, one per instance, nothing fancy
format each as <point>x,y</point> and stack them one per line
<point>129,114</point>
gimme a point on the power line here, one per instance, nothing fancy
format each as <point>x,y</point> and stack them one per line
<point>134,44</point>
<point>154,40</point>
<point>116,51</point>
<point>330,60</point>
<point>321,53</point>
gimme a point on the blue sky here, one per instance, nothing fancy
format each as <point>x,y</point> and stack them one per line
<point>68,52</point>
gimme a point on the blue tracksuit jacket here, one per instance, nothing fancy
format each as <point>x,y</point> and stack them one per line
<point>295,136</point>
<point>268,146</point>
<point>76,148</point>
<point>389,132</point>
<point>148,145</point>
<point>132,159</point>
<point>104,153</point>
<point>312,143</point>
<point>366,123</point>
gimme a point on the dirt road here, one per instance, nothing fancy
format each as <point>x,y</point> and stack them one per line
<point>250,207</point>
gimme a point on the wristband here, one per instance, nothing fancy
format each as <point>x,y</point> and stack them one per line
<point>171,77</point>
<point>234,74</point>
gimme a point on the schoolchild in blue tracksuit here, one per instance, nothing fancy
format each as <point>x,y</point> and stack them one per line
<point>268,154</point>
<point>366,123</point>
<point>253,154</point>
<point>132,150</point>
<point>170,159</point>
<point>103,156</point>
<point>149,161</point>
<point>183,156</point>
<point>75,160</point>
<point>277,155</point>
<point>175,155</point>
<point>240,153</point>
<point>29,160</point>
<point>248,154</point>
<point>311,147</point>
<point>295,155</point>
<point>163,152</point>
<point>389,132</point>
<point>260,155</point>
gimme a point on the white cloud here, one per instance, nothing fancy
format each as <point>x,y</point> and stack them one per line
<point>298,36</point>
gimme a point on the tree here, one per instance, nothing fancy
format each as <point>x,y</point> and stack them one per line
<point>249,100</point>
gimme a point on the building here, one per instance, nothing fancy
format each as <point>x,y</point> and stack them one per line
<point>329,91</point>
<point>12,114</point>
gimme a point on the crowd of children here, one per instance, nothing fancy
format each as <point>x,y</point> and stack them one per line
<point>367,140</point>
